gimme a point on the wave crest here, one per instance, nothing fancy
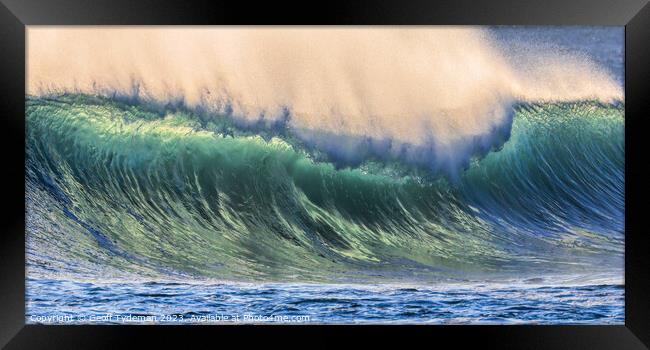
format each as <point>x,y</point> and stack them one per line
<point>436,96</point>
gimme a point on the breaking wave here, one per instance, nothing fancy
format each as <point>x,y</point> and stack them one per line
<point>128,186</point>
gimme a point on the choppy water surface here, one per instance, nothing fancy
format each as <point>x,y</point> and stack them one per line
<point>175,302</point>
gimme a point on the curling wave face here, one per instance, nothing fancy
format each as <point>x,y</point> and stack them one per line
<point>116,187</point>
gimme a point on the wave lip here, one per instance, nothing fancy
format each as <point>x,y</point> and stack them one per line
<point>433,95</point>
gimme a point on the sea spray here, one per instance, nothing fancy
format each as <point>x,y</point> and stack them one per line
<point>437,96</point>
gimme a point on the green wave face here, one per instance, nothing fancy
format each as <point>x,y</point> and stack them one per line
<point>114,188</point>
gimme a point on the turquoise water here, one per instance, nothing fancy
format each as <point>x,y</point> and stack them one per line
<point>110,186</point>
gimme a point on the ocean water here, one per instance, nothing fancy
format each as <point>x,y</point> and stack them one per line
<point>145,210</point>
<point>295,303</point>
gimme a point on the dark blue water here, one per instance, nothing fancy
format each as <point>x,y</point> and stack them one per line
<point>174,302</point>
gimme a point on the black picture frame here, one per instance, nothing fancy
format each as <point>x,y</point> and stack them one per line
<point>15,15</point>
